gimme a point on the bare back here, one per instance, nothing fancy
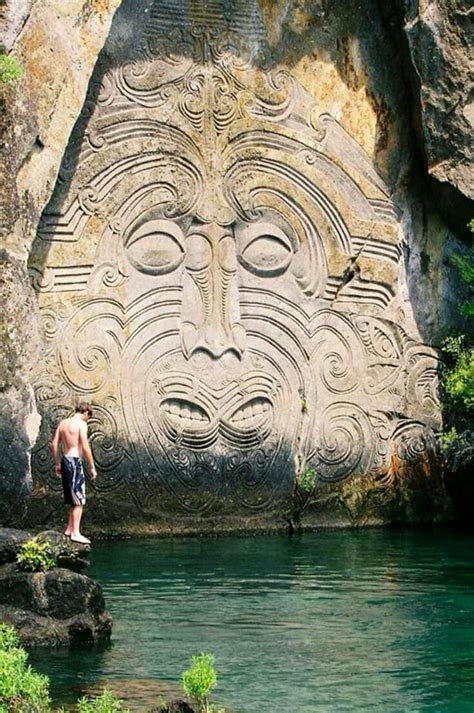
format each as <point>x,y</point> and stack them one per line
<point>72,432</point>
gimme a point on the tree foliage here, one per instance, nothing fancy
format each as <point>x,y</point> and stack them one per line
<point>458,370</point>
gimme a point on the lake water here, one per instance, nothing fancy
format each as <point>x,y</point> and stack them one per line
<point>368,620</point>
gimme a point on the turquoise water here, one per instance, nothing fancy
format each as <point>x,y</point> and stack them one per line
<point>371,620</point>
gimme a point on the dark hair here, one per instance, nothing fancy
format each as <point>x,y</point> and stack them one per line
<point>84,407</point>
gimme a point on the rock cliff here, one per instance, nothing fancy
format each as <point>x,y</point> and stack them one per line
<point>343,200</point>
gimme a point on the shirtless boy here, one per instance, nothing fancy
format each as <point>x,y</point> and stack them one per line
<point>71,438</point>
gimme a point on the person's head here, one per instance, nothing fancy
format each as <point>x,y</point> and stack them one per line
<point>84,409</point>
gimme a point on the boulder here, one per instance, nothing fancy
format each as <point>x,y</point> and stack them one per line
<point>54,607</point>
<point>179,706</point>
<point>72,555</point>
<point>10,543</point>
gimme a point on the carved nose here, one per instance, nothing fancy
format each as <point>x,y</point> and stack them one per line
<point>213,339</point>
<point>211,316</point>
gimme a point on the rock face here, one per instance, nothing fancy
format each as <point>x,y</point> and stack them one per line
<point>56,607</point>
<point>439,40</point>
<point>234,264</point>
<point>57,48</point>
<point>219,269</point>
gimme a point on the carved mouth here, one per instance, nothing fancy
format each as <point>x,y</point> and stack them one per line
<point>251,414</point>
<point>189,424</point>
<point>185,413</point>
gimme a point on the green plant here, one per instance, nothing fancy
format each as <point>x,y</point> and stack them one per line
<point>458,363</point>
<point>105,703</point>
<point>447,438</point>
<point>21,689</point>
<point>10,70</point>
<point>199,680</point>
<point>161,704</point>
<point>35,557</point>
<point>8,637</point>
<point>459,378</point>
<point>307,479</point>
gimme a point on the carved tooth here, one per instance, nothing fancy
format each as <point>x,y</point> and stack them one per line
<point>248,412</point>
<point>186,412</point>
<point>174,409</point>
<point>257,408</point>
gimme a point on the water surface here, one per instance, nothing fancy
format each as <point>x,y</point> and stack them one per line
<point>370,620</point>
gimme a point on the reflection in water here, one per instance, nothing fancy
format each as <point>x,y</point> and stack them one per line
<point>334,621</point>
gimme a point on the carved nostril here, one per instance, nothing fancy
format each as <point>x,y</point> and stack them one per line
<point>213,341</point>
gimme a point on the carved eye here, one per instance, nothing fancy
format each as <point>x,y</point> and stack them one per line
<point>156,247</point>
<point>268,251</point>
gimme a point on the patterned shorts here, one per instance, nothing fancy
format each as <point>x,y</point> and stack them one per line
<point>73,479</point>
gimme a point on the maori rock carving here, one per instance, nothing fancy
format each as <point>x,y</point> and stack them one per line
<point>216,253</point>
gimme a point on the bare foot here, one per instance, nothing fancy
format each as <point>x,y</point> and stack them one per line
<point>81,539</point>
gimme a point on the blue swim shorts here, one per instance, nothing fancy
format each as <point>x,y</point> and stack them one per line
<point>73,480</point>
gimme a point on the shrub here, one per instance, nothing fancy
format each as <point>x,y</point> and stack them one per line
<point>105,703</point>
<point>199,680</point>
<point>10,70</point>
<point>21,689</point>
<point>35,557</point>
<point>307,479</point>
<point>447,438</point>
<point>458,368</point>
<point>459,379</point>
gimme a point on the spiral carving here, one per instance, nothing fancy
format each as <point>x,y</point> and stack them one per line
<point>338,356</point>
<point>346,442</point>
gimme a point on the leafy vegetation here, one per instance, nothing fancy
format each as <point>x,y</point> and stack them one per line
<point>105,703</point>
<point>10,70</point>
<point>35,557</point>
<point>21,689</point>
<point>458,370</point>
<point>307,479</point>
<point>199,680</point>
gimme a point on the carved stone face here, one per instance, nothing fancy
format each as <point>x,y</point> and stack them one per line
<point>218,272</point>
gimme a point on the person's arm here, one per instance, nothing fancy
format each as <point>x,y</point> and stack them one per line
<point>86,451</point>
<point>55,453</point>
